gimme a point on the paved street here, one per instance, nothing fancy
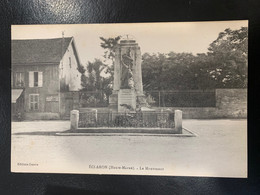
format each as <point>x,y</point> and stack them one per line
<point>220,149</point>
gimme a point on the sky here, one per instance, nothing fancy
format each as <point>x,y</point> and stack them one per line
<point>192,37</point>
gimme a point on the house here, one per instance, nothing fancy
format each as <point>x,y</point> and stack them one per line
<point>44,71</point>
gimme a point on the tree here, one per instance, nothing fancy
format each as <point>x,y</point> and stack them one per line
<point>223,66</point>
<point>109,45</point>
<point>227,56</point>
<point>98,88</point>
<point>97,77</point>
<point>200,76</point>
<point>83,76</point>
<point>168,71</point>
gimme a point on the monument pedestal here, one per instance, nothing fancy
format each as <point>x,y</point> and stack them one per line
<point>126,100</point>
<point>128,85</point>
<point>126,97</point>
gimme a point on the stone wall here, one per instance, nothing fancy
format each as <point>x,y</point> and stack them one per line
<point>230,103</point>
<point>41,116</point>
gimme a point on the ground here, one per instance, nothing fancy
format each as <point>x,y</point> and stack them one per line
<point>220,149</point>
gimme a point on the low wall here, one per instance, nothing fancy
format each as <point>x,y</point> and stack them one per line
<point>41,116</point>
<point>230,103</point>
<point>198,112</point>
<point>90,121</point>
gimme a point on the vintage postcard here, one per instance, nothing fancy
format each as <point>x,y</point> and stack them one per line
<point>167,99</point>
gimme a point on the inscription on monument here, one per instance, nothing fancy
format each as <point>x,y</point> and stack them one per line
<point>126,97</point>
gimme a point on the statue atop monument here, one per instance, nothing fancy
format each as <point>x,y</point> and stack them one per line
<point>127,81</point>
<point>127,86</point>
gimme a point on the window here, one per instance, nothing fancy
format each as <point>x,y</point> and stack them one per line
<point>70,62</point>
<point>19,79</point>
<point>35,79</point>
<point>34,101</point>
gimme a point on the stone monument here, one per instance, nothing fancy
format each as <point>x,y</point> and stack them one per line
<point>127,86</point>
<point>127,104</point>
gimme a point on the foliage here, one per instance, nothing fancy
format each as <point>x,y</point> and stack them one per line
<point>228,58</point>
<point>95,82</point>
<point>98,75</point>
<point>224,66</point>
<point>83,77</point>
<point>109,45</point>
<point>167,71</point>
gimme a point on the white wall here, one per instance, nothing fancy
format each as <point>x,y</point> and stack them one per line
<point>70,74</point>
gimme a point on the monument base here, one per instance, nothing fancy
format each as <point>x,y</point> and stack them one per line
<point>126,100</point>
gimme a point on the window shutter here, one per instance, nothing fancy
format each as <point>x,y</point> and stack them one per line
<point>40,79</point>
<point>31,79</point>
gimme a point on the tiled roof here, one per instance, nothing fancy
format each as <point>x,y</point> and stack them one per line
<point>36,51</point>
